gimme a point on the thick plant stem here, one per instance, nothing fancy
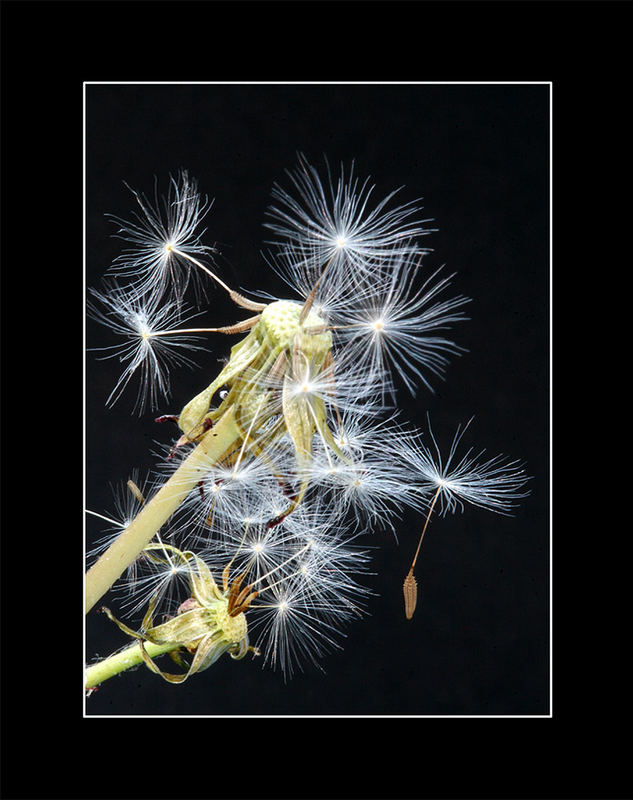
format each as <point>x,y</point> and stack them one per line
<point>125,659</point>
<point>124,550</point>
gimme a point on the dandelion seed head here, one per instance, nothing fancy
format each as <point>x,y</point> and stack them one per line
<point>282,529</point>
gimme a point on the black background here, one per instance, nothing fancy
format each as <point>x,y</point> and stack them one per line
<point>479,156</point>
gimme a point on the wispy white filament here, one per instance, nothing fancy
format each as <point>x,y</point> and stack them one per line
<point>142,324</point>
<point>160,234</point>
<point>339,222</point>
<point>399,324</point>
<point>491,483</point>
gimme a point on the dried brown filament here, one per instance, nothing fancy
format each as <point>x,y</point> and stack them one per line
<point>410,587</point>
<point>244,302</point>
<point>310,298</point>
<point>239,327</point>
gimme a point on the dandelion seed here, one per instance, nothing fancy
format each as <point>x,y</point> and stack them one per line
<point>152,344</point>
<point>410,586</point>
<point>494,483</point>
<point>127,503</point>
<point>343,384</point>
<point>371,487</point>
<point>302,269</point>
<point>339,224</point>
<point>301,615</point>
<point>234,491</point>
<point>395,325</point>
<point>410,589</point>
<point>165,242</point>
<point>366,431</point>
<point>158,576</point>
<point>163,235</point>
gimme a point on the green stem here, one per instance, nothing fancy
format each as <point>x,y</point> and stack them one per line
<point>139,533</point>
<point>125,659</point>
